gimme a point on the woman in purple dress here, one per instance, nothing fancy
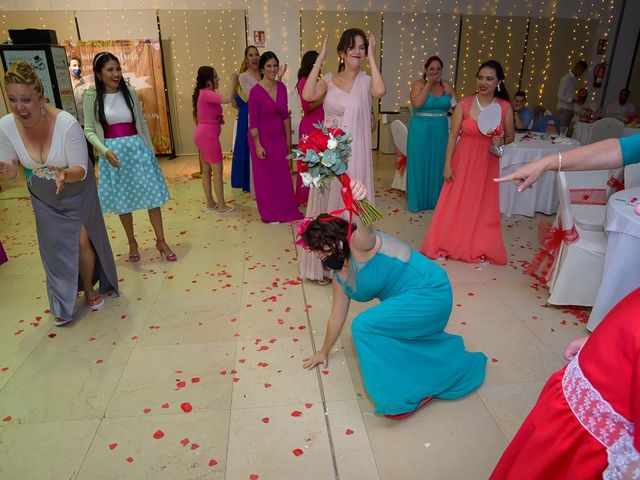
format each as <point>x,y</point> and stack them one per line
<point>270,140</point>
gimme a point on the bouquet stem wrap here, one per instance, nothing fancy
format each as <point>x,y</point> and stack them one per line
<point>363,208</point>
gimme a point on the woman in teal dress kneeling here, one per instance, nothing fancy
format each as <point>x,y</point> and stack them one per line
<point>431,98</point>
<point>405,356</point>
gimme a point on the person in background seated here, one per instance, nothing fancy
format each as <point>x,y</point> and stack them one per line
<point>522,116</point>
<point>622,108</point>
<point>567,91</point>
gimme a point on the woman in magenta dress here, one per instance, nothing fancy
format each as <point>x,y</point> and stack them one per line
<point>312,114</point>
<point>207,112</point>
<point>466,222</point>
<point>270,140</point>
<point>347,104</point>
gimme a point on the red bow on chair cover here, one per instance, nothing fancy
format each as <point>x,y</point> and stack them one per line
<point>550,238</point>
<point>401,162</point>
<point>615,183</point>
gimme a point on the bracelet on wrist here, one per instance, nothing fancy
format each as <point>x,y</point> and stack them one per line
<point>559,161</point>
<point>317,65</point>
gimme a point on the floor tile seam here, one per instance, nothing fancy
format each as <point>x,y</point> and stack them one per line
<point>86,453</point>
<point>495,420</point>
<point>544,342</point>
<point>323,397</point>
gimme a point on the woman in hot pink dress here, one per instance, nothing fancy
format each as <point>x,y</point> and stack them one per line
<point>313,113</point>
<point>270,140</point>
<point>207,112</point>
<point>466,222</point>
<point>347,104</point>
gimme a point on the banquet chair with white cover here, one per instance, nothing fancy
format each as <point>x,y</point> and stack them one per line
<point>400,133</point>
<point>606,128</point>
<point>579,263</point>
<point>632,176</point>
<point>588,195</point>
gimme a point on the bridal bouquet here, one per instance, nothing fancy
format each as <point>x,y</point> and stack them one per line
<point>324,154</point>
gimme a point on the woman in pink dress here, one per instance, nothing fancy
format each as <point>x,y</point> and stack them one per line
<point>207,112</point>
<point>466,222</point>
<point>312,114</point>
<point>347,104</point>
<point>270,131</point>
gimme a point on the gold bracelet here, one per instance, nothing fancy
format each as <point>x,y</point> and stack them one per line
<point>559,161</point>
<point>316,65</point>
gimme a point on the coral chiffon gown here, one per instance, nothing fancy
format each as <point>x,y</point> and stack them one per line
<point>466,222</point>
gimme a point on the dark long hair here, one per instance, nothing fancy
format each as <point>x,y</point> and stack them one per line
<point>327,231</point>
<point>205,74</point>
<point>306,64</point>
<point>98,63</point>
<point>264,58</point>
<point>348,40</point>
<point>429,61</point>
<point>500,92</point>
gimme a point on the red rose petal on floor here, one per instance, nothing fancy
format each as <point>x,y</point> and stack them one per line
<point>253,476</point>
<point>181,384</point>
<point>194,446</point>
<point>165,405</point>
<point>158,434</point>
<point>348,431</point>
<point>222,372</point>
<point>213,462</point>
<point>146,410</point>
<point>263,348</point>
<point>325,372</point>
<point>195,380</point>
<point>297,452</point>
<point>263,364</point>
<point>266,420</point>
<point>184,442</point>
<point>494,360</point>
<point>186,407</point>
<point>52,335</point>
<point>4,369</point>
<point>236,379</point>
<point>267,385</point>
<point>233,372</point>
<point>98,362</point>
<point>296,413</point>
<point>471,294</point>
<point>123,316</point>
<point>112,446</point>
<point>308,405</point>
<point>7,418</point>
<point>130,459</point>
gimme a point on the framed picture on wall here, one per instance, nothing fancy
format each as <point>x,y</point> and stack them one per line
<point>259,38</point>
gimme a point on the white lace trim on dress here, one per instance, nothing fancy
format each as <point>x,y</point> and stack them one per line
<point>606,425</point>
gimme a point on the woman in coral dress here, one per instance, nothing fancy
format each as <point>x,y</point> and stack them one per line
<point>347,104</point>
<point>466,222</point>
<point>270,139</point>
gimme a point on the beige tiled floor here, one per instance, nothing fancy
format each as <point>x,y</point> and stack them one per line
<point>223,331</point>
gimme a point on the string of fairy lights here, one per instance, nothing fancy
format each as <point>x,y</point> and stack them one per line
<point>423,28</point>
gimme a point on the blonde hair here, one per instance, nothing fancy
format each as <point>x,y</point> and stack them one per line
<point>23,73</point>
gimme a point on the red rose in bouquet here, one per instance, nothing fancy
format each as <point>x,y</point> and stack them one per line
<point>316,141</point>
<point>302,167</point>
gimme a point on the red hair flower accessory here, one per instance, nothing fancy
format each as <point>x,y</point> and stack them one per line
<point>302,227</point>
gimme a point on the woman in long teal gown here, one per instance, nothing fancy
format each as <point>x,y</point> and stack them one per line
<point>431,98</point>
<point>405,356</point>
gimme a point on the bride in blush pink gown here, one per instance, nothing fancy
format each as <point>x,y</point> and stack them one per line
<point>347,104</point>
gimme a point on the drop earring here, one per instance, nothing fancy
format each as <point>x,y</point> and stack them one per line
<point>43,110</point>
<point>498,87</point>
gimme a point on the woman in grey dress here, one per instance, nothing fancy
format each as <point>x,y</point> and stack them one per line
<point>50,145</point>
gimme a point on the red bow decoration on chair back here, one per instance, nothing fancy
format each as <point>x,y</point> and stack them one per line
<point>349,203</point>
<point>401,162</point>
<point>550,238</point>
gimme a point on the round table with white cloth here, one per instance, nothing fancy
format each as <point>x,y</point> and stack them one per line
<point>542,197</point>
<point>622,259</point>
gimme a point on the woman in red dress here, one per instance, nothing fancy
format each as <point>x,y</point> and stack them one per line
<point>466,222</point>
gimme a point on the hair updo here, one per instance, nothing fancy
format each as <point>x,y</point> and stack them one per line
<point>23,73</point>
<point>327,232</point>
